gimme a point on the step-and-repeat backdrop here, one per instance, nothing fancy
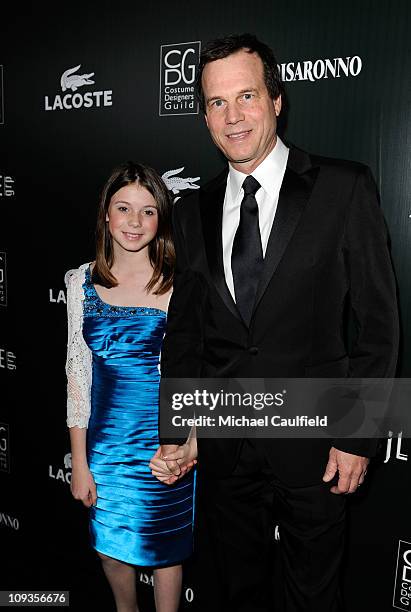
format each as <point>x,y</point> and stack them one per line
<point>84,87</point>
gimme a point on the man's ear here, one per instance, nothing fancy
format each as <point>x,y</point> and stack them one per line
<point>277,105</point>
<point>206,119</point>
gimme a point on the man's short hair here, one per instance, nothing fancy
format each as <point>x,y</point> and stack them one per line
<point>221,48</point>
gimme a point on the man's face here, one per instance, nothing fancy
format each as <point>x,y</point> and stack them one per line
<point>241,116</point>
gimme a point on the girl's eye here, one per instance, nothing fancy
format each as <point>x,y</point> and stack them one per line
<point>150,212</point>
<point>123,208</point>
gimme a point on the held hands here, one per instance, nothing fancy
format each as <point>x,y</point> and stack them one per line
<point>83,486</point>
<point>351,471</point>
<point>171,462</point>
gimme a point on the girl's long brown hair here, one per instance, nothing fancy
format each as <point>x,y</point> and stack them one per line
<point>160,250</point>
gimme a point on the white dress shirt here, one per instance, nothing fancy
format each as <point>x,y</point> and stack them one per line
<point>269,174</point>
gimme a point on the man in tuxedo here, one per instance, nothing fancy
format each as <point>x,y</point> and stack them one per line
<point>270,254</point>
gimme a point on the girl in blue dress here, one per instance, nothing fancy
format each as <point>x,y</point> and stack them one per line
<point>116,322</point>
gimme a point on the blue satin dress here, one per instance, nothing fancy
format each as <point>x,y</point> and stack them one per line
<point>137,519</point>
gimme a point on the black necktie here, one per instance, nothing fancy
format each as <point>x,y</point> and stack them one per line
<point>247,253</point>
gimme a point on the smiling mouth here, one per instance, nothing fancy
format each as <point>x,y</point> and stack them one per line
<point>130,236</point>
<point>238,135</point>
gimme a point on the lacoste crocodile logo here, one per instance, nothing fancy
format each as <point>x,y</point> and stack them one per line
<point>72,81</point>
<point>178,183</point>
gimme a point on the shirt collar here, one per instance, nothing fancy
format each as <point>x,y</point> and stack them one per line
<point>270,168</point>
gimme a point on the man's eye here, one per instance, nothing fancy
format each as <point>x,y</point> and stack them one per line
<point>218,103</point>
<point>248,96</point>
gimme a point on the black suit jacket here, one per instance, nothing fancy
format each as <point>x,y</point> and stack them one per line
<point>327,248</point>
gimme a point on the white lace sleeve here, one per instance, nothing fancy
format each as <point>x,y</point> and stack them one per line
<point>79,361</point>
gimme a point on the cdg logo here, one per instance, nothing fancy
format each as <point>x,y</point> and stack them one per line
<point>178,67</point>
<point>407,567</point>
<point>3,441</point>
<point>405,593</point>
<point>2,265</point>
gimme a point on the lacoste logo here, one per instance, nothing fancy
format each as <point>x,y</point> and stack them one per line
<point>179,183</point>
<point>72,81</point>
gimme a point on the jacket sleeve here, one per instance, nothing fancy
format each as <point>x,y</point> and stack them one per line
<point>372,294</point>
<point>181,355</point>
<point>79,359</point>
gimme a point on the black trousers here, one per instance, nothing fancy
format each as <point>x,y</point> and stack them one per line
<point>234,550</point>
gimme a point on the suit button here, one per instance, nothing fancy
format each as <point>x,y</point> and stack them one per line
<point>253,350</point>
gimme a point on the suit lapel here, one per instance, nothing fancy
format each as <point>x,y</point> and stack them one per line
<point>211,208</point>
<point>298,182</point>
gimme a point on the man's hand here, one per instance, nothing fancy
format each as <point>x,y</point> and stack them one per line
<point>160,470</point>
<point>351,470</point>
<point>172,465</point>
<point>183,456</point>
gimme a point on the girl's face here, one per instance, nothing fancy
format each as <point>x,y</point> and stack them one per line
<point>132,218</point>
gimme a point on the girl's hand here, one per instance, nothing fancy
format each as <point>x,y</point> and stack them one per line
<point>83,486</point>
<point>160,470</point>
<point>185,455</point>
